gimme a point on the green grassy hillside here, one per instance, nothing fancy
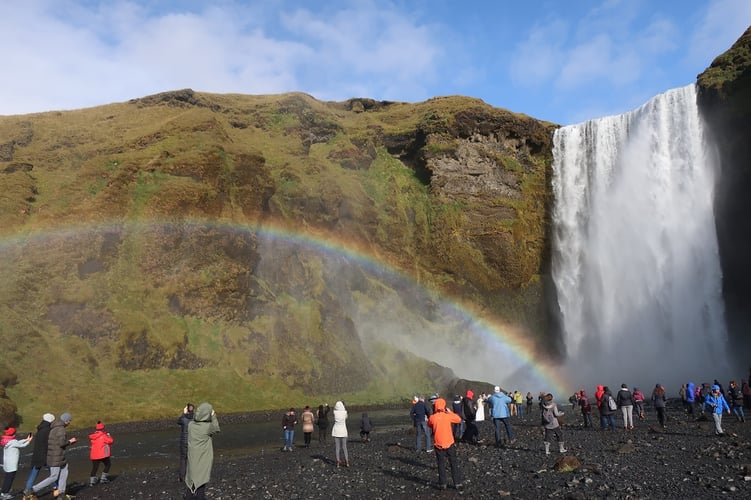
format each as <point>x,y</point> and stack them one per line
<point>243,249</point>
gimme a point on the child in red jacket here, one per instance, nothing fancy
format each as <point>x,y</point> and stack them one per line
<point>100,453</point>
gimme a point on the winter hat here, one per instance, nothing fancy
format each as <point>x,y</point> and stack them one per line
<point>65,417</point>
<point>48,417</point>
<point>715,387</point>
<point>624,386</point>
<point>496,389</point>
<point>10,431</point>
<point>470,394</point>
<point>99,426</point>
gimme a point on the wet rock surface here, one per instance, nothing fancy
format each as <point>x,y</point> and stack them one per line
<point>685,460</point>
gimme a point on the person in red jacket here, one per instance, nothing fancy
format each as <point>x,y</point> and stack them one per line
<point>100,453</point>
<point>443,442</point>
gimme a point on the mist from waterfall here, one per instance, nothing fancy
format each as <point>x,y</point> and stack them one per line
<point>636,263</point>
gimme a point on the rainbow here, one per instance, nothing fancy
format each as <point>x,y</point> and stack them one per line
<point>511,346</point>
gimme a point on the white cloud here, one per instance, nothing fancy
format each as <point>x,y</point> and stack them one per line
<point>719,25</point>
<point>537,59</point>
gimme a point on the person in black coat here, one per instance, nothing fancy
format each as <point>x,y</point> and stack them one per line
<point>183,421</point>
<point>39,455</point>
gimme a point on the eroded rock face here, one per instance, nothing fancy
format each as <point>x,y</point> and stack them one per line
<point>725,102</point>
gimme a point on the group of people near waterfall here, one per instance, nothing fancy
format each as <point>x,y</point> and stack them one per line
<point>49,447</point>
<point>438,426</point>
<point>711,400</point>
<point>320,419</point>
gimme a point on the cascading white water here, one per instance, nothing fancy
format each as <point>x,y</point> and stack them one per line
<point>636,263</point>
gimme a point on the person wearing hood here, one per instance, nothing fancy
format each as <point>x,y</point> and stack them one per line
<point>499,403</point>
<point>11,453</point>
<point>57,443</point>
<point>550,424</point>
<point>200,451</point>
<point>471,432</point>
<point>185,418</point>
<point>445,450</point>
<point>39,455</point>
<point>101,452</point>
<point>339,433</point>
<point>715,403</point>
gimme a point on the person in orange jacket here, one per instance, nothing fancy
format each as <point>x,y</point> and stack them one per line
<point>443,442</point>
<point>100,453</point>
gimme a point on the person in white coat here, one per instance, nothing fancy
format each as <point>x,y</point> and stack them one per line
<point>339,433</point>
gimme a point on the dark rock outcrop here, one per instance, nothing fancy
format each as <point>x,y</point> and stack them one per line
<point>725,102</point>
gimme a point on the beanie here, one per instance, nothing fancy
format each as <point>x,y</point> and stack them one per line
<point>99,426</point>
<point>48,417</point>
<point>10,431</point>
<point>65,417</point>
<point>496,389</point>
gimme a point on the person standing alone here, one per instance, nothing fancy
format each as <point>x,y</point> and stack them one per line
<point>200,451</point>
<point>445,450</point>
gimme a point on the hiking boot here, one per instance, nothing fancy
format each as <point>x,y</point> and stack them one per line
<point>105,478</point>
<point>29,495</point>
<point>93,480</point>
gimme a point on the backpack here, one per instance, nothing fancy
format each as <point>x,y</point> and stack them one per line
<point>611,403</point>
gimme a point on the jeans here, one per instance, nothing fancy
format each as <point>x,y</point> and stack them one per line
<point>509,432</point>
<point>441,455</point>
<point>738,412</point>
<point>607,419</point>
<point>717,417</point>
<point>519,409</point>
<point>628,416</point>
<point>58,475</point>
<point>289,437</point>
<point>33,473</point>
<point>422,428</point>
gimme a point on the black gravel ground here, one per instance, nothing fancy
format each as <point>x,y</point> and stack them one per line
<point>683,461</point>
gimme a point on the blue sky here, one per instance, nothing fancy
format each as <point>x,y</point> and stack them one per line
<point>563,61</point>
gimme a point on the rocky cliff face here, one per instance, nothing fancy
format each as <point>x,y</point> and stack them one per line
<point>220,240</point>
<point>725,102</point>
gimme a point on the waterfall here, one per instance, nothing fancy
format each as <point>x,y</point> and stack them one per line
<point>635,262</point>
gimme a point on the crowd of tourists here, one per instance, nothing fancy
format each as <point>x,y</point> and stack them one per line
<point>49,445</point>
<point>438,426</point>
<point>501,407</point>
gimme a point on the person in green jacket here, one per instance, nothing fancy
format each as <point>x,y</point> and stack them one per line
<point>200,451</point>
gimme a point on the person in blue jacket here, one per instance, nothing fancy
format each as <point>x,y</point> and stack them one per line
<point>715,403</point>
<point>499,403</point>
